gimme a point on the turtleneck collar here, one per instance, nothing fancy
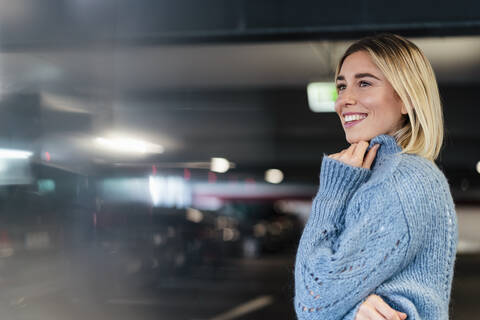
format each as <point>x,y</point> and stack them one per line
<point>388,144</point>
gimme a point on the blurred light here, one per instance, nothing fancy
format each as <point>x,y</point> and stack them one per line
<point>208,203</point>
<point>155,190</point>
<point>251,248</point>
<point>14,154</point>
<point>169,192</point>
<point>220,165</point>
<point>228,234</point>
<point>194,215</point>
<point>478,167</point>
<point>275,228</point>
<point>46,185</point>
<point>154,170</point>
<point>274,176</point>
<point>301,208</point>
<point>466,246</point>
<point>15,169</point>
<point>128,145</point>
<point>47,156</point>
<point>322,96</point>
<point>259,230</point>
<point>157,239</point>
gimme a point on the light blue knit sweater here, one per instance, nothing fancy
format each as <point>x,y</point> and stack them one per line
<point>390,230</point>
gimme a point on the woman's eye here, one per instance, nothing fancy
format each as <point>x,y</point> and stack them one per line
<point>340,86</point>
<point>364,82</point>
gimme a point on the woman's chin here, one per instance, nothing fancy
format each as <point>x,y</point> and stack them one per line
<point>351,139</point>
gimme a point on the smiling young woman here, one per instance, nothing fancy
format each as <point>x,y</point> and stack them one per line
<point>364,90</point>
<point>403,78</point>
<point>380,242</point>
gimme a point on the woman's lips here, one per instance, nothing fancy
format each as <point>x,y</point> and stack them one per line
<point>352,123</point>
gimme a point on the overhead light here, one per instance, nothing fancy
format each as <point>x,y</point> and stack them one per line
<point>220,165</point>
<point>274,176</point>
<point>478,167</point>
<point>128,145</point>
<point>14,154</point>
<point>322,96</point>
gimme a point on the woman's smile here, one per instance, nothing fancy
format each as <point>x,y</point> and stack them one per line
<point>350,123</point>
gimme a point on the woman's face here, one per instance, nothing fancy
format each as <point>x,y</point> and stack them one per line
<point>363,89</point>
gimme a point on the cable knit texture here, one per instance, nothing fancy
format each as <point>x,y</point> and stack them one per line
<point>390,230</point>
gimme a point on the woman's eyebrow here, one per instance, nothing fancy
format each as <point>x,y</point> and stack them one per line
<point>359,75</point>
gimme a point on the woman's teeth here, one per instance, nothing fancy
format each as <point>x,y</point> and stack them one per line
<point>354,117</point>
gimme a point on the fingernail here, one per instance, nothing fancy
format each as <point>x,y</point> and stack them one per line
<point>376,146</point>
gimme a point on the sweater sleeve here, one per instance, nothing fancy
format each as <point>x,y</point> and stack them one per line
<point>353,311</point>
<point>338,182</point>
<point>336,272</point>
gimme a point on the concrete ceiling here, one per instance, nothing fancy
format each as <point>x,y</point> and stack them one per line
<point>456,60</point>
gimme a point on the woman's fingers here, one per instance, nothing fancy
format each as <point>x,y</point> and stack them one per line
<point>337,155</point>
<point>368,312</point>
<point>383,308</point>
<point>367,162</point>
<point>374,308</point>
<point>342,153</point>
<point>346,155</point>
<point>350,151</point>
<point>359,152</point>
<point>402,315</point>
<point>355,155</point>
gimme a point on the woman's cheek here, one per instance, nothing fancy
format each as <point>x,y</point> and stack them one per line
<point>368,101</point>
<point>337,106</point>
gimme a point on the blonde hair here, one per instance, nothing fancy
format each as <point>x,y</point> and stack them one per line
<point>412,77</point>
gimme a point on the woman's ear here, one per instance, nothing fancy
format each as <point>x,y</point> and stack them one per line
<point>404,110</point>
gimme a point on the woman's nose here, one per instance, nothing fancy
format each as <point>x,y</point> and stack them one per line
<point>347,98</point>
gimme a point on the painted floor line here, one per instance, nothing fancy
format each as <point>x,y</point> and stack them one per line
<point>247,307</point>
<point>133,301</point>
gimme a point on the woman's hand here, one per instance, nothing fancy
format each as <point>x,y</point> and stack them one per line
<point>355,155</point>
<point>374,308</point>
